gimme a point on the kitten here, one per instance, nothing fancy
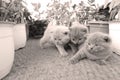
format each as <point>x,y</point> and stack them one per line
<point>57,36</point>
<point>77,36</point>
<point>97,47</point>
<point>61,38</point>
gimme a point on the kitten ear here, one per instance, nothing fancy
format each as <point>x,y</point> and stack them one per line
<point>107,39</point>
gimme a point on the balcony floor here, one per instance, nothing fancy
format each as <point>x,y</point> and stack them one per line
<point>33,63</point>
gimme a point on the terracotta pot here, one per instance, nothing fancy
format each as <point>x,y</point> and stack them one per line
<point>6,48</point>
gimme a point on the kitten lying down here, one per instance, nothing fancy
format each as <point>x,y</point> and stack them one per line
<point>57,36</point>
<point>97,47</point>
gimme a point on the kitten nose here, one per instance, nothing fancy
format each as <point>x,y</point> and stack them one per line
<point>76,43</point>
<point>91,48</point>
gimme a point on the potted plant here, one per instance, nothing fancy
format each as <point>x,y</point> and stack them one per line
<point>13,11</point>
<point>19,29</point>
<point>114,23</point>
<point>6,41</point>
<point>6,48</point>
<point>9,18</point>
<point>100,18</point>
<point>108,18</point>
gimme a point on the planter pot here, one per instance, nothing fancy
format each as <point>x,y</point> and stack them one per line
<point>6,48</point>
<point>101,26</point>
<point>20,38</point>
<point>114,31</point>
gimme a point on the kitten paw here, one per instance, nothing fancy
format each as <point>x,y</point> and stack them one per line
<point>42,47</point>
<point>71,61</point>
<point>74,51</point>
<point>101,62</point>
<point>64,55</point>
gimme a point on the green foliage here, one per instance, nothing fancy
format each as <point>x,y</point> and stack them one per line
<point>12,11</point>
<point>59,11</point>
<point>65,13</point>
<point>86,12</point>
<point>114,8</point>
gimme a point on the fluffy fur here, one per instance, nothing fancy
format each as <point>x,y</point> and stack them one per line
<point>57,36</point>
<point>97,47</point>
<point>77,35</point>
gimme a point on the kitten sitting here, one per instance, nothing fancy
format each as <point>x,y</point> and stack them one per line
<point>57,36</point>
<point>77,36</point>
<point>97,47</point>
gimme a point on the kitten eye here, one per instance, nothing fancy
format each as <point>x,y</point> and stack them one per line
<point>80,39</point>
<point>66,33</point>
<point>59,39</point>
<point>84,30</point>
<point>96,44</point>
<point>73,39</point>
<point>106,39</point>
<point>88,43</point>
<point>55,38</point>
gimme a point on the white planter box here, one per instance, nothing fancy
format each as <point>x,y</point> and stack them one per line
<point>6,48</point>
<point>19,35</point>
<point>114,31</point>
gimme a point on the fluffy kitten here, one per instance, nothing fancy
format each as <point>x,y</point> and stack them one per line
<point>61,38</point>
<point>77,35</point>
<point>57,36</point>
<point>97,47</point>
